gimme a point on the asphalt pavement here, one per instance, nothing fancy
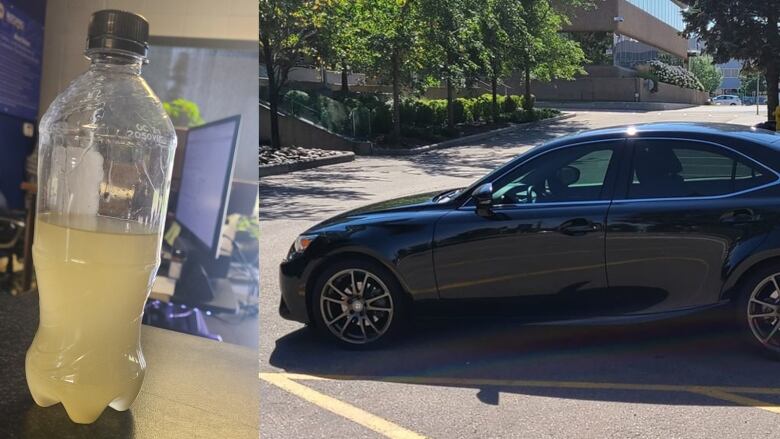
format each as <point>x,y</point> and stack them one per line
<point>686,378</point>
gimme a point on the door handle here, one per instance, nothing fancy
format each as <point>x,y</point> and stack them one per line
<point>737,216</point>
<point>578,226</point>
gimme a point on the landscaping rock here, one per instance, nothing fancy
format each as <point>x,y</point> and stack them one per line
<point>284,160</point>
<point>286,156</point>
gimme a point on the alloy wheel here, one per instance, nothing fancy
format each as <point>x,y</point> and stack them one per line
<point>763,312</point>
<point>356,306</point>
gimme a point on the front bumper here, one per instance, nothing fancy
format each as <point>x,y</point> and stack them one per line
<point>292,283</point>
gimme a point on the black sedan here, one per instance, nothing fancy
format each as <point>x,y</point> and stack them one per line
<point>619,224</point>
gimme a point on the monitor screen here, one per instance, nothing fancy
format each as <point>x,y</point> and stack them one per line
<point>205,182</point>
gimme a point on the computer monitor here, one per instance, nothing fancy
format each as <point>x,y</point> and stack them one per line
<point>207,172</point>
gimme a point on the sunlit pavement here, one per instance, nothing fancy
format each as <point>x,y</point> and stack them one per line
<point>684,378</point>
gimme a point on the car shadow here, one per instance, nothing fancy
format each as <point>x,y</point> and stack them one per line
<point>692,351</point>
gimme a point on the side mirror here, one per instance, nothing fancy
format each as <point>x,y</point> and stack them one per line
<point>568,175</point>
<point>483,198</point>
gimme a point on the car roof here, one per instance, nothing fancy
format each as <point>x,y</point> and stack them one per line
<point>689,130</point>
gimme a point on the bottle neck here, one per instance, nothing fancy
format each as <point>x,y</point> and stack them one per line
<point>115,62</point>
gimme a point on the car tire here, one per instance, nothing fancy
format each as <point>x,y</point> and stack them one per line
<point>732,104</point>
<point>757,310</point>
<point>369,319</point>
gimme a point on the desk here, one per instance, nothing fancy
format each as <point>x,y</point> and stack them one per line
<point>194,387</point>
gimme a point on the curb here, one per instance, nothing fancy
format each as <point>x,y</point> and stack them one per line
<point>268,170</point>
<point>615,105</point>
<point>461,140</point>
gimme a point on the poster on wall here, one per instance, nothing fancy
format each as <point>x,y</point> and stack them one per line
<point>21,47</point>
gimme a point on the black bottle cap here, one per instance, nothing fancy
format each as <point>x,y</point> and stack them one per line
<point>118,30</point>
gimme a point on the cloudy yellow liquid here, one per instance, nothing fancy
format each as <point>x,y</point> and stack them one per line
<point>94,275</point>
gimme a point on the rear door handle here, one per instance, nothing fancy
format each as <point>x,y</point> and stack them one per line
<point>578,226</point>
<point>738,216</point>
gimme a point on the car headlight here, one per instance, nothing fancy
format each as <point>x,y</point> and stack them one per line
<point>302,243</point>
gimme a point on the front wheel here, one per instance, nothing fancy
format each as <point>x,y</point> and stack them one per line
<point>759,310</point>
<point>358,304</point>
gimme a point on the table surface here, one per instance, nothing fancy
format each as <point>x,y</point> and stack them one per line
<point>194,387</point>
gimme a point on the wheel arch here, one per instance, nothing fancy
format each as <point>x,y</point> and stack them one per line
<point>744,270</point>
<point>323,264</point>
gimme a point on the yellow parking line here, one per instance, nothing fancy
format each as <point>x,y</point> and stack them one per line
<point>354,414</point>
<point>738,399</point>
<point>477,382</point>
<point>724,393</point>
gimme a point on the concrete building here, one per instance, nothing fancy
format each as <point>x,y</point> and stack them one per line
<point>634,30</point>
<point>731,82</point>
<point>616,35</point>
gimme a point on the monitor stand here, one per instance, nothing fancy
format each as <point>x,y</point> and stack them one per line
<point>196,288</point>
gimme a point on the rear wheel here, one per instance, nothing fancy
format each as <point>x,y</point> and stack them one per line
<point>759,310</point>
<point>358,304</point>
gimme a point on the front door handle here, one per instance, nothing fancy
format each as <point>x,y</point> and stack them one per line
<point>578,226</point>
<point>737,216</point>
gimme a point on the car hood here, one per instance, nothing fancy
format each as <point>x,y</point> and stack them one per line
<point>383,210</point>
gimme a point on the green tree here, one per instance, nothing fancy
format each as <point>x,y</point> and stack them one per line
<point>453,44</point>
<point>544,52</point>
<point>340,41</point>
<point>392,31</point>
<point>501,25</point>
<point>748,79</point>
<point>706,72</point>
<point>745,30</point>
<point>286,28</point>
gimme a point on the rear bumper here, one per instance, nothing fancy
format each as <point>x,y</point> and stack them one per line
<point>292,284</point>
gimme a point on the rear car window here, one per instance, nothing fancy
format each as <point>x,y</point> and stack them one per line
<point>671,169</point>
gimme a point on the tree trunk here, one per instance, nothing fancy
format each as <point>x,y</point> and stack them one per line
<point>494,90</point>
<point>273,94</point>
<point>344,78</point>
<point>450,108</point>
<point>396,98</point>
<point>772,77</point>
<point>528,103</point>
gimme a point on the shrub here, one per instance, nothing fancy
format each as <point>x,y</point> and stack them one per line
<point>528,106</point>
<point>382,121</point>
<point>673,75</point>
<point>464,110</point>
<point>511,103</point>
<point>333,114</point>
<point>423,114</point>
<point>294,98</point>
<point>481,108</point>
<point>439,108</point>
<point>408,111</point>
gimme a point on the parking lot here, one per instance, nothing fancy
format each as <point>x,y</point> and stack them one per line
<point>686,378</point>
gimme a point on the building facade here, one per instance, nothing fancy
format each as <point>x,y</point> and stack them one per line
<point>624,33</point>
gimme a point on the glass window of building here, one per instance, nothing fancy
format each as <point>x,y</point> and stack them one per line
<point>665,10</point>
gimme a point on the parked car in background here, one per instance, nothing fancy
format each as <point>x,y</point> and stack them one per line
<point>620,224</point>
<point>751,100</point>
<point>726,100</point>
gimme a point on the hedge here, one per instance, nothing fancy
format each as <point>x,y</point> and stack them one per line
<point>369,115</point>
<point>433,112</point>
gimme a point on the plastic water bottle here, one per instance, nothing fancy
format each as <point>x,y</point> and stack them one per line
<point>105,159</point>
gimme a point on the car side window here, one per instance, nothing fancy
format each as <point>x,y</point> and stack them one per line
<point>566,175</point>
<point>672,169</point>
